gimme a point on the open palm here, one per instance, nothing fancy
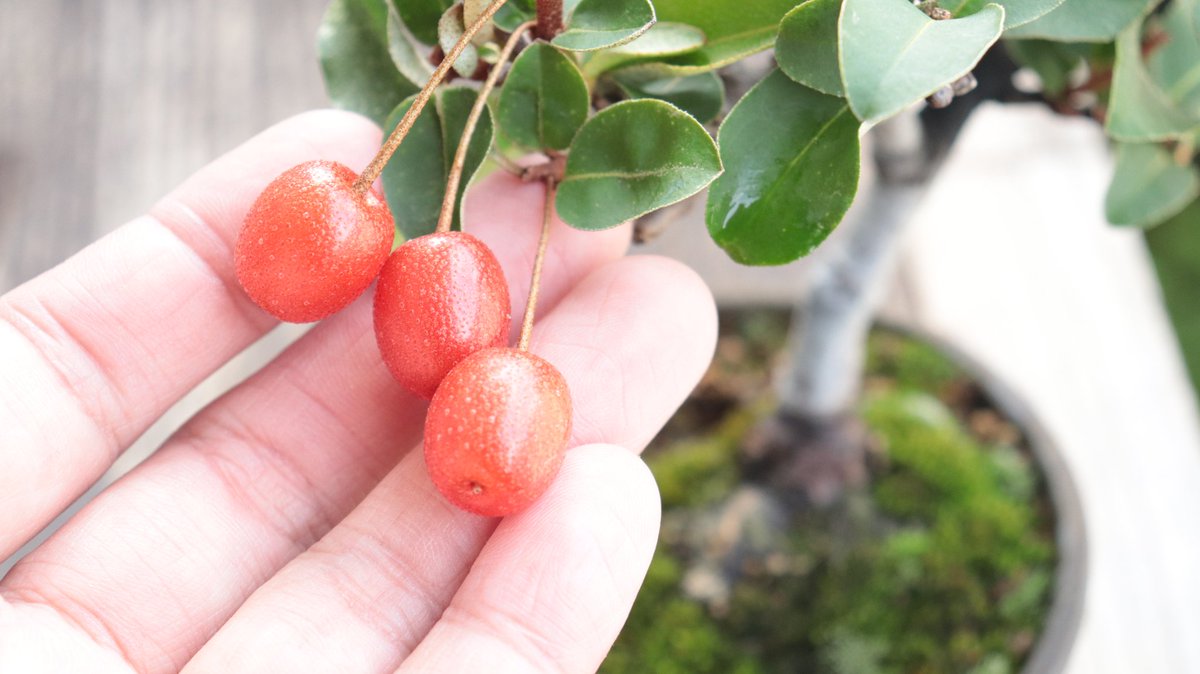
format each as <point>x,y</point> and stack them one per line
<point>290,526</point>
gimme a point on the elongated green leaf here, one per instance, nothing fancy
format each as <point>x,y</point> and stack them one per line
<point>1148,186</point>
<point>544,100</point>
<point>415,178</point>
<point>407,54</point>
<point>662,40</point>
<point>894,55</point>
<point>1085,20</point>
<point>421,17</point>
<point>701,95</point>
<point>632,158</point>
<point>598,24</point>
<point>734,29</point>
<point>1016,12</point>
<point>1139,110</point>
<point>359,73</point>
<point>807,46</point>
<point>791,159</point>
<point>1175,66</point>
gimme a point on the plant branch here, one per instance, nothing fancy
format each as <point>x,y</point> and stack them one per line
<point>535,282</point>
<point>450,199</point>
<point>371,173</point>
<point>549,18</point>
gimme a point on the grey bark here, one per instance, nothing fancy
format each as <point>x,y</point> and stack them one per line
<point>830,323</point>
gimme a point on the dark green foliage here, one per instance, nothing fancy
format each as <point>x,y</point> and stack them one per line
<point>359,73</point>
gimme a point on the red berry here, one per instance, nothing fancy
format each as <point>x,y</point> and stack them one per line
<point>311,243</point>
<point>440,298</point>
<point>497,430</point>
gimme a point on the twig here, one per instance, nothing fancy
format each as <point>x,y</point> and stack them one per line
<point>536,281</point>
<point>446,217</point>
<point>371,173</point>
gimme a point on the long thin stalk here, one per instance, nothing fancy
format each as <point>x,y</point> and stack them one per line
<point>535,282</point>
<point>446,217</point>
<point>371,173</point>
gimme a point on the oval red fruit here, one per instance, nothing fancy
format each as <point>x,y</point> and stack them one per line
<point>497,430</point>
<point>311,243</point>
<point>440,298</point>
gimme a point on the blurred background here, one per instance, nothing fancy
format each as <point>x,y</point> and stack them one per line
<point>107,104</point>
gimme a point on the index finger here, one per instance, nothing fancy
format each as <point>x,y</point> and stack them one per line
<point>99,347</point>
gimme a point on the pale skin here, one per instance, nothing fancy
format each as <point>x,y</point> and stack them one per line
<point>290,526</point>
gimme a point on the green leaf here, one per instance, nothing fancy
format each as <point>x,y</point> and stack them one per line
<point>359,73</point>
<point>1175,66</point>
<point>807,46</point>
<point>415,178</point>
<point>421,17</point>
<point>451,27</point>
<point>894,55</point>
<point>1138,109</point>
<point>1085,20</point>
<point>662,40</point>
<point>702,95</point>
<point>472,10</point>
<point>791,155</point>
<point>598,24</point>
<point>632,158</point>
<point>514,13</point>
<point>734,29</point>
<point>1148,186</point>
<point>545,99</point>
<point>407,54</point>
<point>1016,12</point>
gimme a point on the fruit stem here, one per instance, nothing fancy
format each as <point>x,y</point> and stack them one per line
<point>550,18</point>
<point>371,173</point>
<point>535,283</point>
<point>450,199</point>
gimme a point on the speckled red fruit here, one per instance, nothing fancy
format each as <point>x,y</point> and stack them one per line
<point>311,243</point>
<point>440,298</point>
<point>497,430</point>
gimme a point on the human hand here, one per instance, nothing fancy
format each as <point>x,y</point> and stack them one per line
<point>290,526</point>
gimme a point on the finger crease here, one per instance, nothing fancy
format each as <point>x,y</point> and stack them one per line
<point>77,615</point>
<point>227,280</point>
<point>72,362</point>
<point>255,494</point>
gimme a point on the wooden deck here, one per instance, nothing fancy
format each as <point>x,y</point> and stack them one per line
<point>105,105</point>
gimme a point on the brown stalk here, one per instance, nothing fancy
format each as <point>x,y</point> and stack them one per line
<point>446,217</point>
<point>371,173</point>
<point>535,282</point>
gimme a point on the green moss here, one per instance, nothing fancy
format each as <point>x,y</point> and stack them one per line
<point>911,364</point>
<point>668,634</point>
<point>701,470</point>
<point>943,565</point>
